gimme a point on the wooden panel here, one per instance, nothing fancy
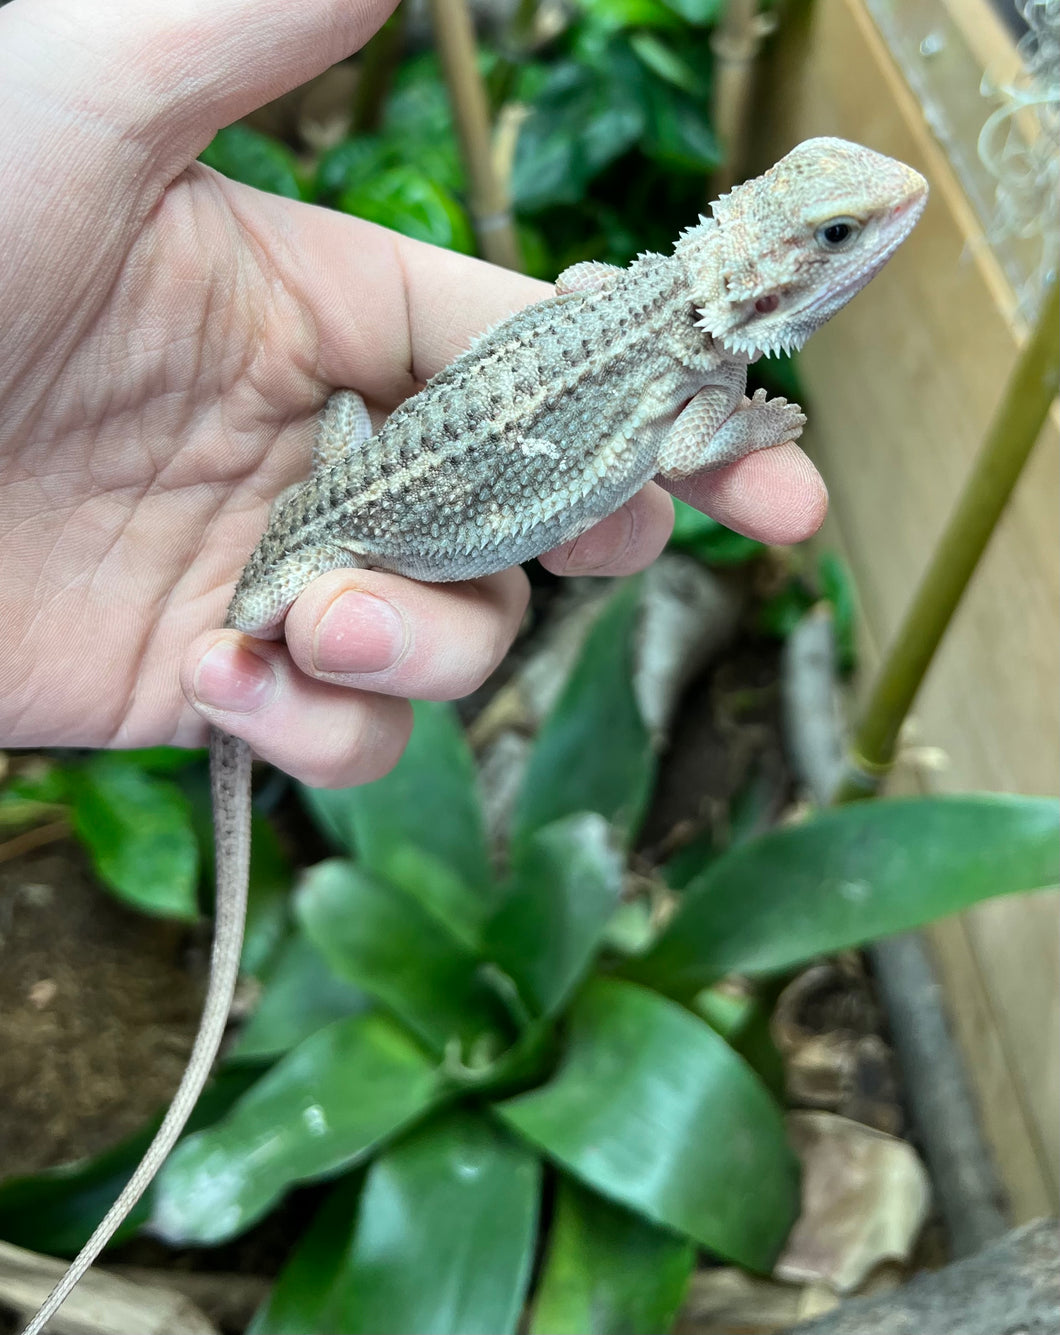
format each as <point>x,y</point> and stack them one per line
<point>900,390</point>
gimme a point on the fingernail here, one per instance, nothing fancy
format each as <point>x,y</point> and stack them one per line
<point>359,633</point>
<point>232,678</point>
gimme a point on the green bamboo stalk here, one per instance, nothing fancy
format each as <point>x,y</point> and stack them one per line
<point>489,200</point>
<point>1031,390</point>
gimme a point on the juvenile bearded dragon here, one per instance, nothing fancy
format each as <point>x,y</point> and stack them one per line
<point>550,422</point>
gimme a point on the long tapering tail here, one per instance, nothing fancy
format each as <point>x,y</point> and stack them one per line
<point>230,780</point>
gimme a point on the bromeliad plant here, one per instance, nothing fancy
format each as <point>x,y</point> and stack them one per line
<point>486,1069</point>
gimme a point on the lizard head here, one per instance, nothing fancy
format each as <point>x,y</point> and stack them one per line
<point>785,251</point>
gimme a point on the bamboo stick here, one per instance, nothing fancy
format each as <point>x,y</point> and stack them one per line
<point>735,44</point>
<point>489,200</point>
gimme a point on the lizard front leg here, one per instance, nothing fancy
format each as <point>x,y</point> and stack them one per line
<point>711,430</point>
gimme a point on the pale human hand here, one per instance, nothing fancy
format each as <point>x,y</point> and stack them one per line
<point>169,336</point>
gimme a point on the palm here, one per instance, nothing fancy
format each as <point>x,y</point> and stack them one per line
<point>169,336</point>
<point>198,362</point>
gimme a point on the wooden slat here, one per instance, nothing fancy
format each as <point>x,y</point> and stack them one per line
<point>901,388</point>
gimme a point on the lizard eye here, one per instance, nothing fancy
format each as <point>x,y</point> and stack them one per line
<point>837,233</point>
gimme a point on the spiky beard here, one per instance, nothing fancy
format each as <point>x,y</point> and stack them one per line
<point>746,344</point>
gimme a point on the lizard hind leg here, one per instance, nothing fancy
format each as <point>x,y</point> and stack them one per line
<point>343,428</point>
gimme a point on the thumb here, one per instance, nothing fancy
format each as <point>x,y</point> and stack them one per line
<point>167,76</point>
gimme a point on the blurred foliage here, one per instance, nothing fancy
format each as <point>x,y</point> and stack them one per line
<point>613,148</point>
<point>452,1031</point>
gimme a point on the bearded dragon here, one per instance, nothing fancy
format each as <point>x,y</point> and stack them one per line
<point>548,423</point>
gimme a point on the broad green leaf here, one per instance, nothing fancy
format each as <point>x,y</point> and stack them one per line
<point>678,131</point>
<point>322,1108</point>
<point>565,885</point>
<point>164,759</point>
<point>580,121</point>
<point>429,800</point>
<point>298,1303</point>
<point>301,996</point>
<point>593,752</point>
<point>376,937</point>
<point>346,164</point>
<point>607,1271</point>
<point>406,200</point>
<point>847,876</point>
<point>255,159</point>
<point>713,543</point>
<point>56,1210</point>
<point>461,909</point>
<point>697,11</point>
<point>654,1110</point>
<point>664,61</point>
<point>138,831</point>
<point>743,1020</point>
<point>613,15</point>
<point>444,1239</point>
<point>418,106</point>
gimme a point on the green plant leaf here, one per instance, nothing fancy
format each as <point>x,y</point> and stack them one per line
<point>613,15</point>
<point>301,996</point>
<point>444,895</point>
<point>256,159</point>
<point>429,800</point>
<point>847,876</point>
<point>346,164</point>
<point>744,1023</point>
<point>664,61</point>
<point>299,1301</point>
<point>678,133</point>
<point>696,11</point>
<point>56,1210</point>
<point>593,752</point>
<point>565,885</point>
<point>608,1271</point>
<point>165,759</point>
<point>138,831</point>
<point>654,1110</point>
<point>322,1108</point>
<point>713,543</point>
<point>378,938</point>
<point>405,199</point>
<point>581,120</point>
<point>444,1239</point>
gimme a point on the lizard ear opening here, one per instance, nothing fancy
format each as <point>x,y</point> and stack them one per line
<point>768,304</point>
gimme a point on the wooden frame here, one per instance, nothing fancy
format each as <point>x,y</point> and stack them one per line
<point>900,390</point>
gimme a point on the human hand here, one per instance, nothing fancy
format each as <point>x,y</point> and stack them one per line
<point>169,338</point>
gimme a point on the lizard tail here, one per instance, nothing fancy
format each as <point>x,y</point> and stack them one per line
<point>230,779</point>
